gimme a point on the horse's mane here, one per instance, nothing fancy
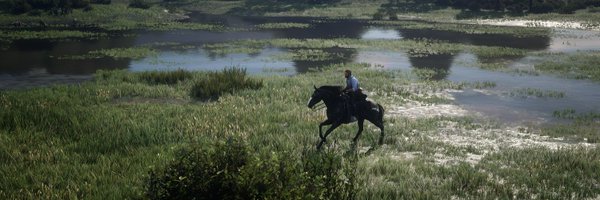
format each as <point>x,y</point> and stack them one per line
<point>332,88</point>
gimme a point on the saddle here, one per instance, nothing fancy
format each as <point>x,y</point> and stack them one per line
<point>352,100</point>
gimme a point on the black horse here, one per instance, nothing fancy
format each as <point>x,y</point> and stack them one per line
<point>337,112</point>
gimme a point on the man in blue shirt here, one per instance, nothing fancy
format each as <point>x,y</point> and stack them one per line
<point>351,82</point>
<point>351,91</point>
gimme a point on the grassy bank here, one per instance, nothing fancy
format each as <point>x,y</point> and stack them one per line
<point>101,21</point>
<point>382,9</point>
<point>580,65</point>
<point>413,47</point>
<point>102,139</point>
<point>115,16</point>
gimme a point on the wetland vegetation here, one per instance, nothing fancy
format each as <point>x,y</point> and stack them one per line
<point>142,133</point>
<point>124,136</point>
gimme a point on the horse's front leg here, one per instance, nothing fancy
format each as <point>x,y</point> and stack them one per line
<point>333,126</point>
<point>324,123</point>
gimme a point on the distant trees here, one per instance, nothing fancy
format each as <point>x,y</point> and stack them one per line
<point>57,7</point>
<point>143,4</point>
<point>295,1</point>
<point>517,6</point>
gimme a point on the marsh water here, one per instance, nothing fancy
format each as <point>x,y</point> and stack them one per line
<point>28,63</point>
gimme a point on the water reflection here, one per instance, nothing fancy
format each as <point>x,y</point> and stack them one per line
<point>379,33</point>
<point>31,55</point>
<point>344,55</point>
<point>24,56</point>
<point>581,95</point>
<point>198,59</point>
<point>440,64</point>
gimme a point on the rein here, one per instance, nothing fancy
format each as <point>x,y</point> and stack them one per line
<point>319,106</point>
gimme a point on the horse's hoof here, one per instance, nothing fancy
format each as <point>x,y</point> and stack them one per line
<point>320,144</point>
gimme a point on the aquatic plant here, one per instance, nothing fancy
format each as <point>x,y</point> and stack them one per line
<point>497,52</point>
<point>115,53</point>
<point>224,49</point>
<point>50,35</point>
<point>430,73</point>
<point>482,85</point>
<point>285,25</point>
<point>119,53</point>
<point>533,92</point>
<point>579,65</point>
<point>308,55</point>
<point>564,114</point>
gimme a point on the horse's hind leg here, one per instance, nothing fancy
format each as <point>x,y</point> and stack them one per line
<point>380,125</point>
<point>360,129</point>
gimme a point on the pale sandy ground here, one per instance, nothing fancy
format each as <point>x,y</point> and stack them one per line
<point>485,139</point>
<point>533,23</point>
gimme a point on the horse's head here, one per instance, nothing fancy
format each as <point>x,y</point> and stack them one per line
<point>315,98</point>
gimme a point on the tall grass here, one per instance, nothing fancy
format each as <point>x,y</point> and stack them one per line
<point>227,81</point>
<point>580,65</point>
<point>534,92</point>
<point>109,137</point>
<point>167,77</point>
<point>282,25</point>
<point>583,127</point>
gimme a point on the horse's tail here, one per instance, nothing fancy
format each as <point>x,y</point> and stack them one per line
<point>381,111</point>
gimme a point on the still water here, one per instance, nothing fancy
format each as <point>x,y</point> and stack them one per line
<point>30,63</point>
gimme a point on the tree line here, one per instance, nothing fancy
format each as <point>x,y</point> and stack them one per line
<point>57,7</point>
<point>518,6</point>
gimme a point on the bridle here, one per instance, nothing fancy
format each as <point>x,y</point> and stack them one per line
<point>321,103</point>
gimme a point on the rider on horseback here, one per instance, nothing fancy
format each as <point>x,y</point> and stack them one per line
<point>353,94</point>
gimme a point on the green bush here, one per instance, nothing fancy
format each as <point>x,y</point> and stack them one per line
<point>593,9</point>
<point>165,77</point>
<point>54,6</point>
<point>229,171</point>
<point>101,1</point>
<point>378,16</point>
<point>226,81</point>
<point>143,4</point>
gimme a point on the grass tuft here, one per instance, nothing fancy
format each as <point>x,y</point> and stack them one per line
<point>226,81</point>
<point>165,77</point>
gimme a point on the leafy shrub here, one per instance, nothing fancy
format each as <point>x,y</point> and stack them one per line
<point>64,6</point>
<point>165,77</point>
<point>143,4</point>
<point>378,16</point>
<point>229,171</point>
<point>101,1</point>
<point>593,9</point>
<point>226,81</point>
<point>542,8</point>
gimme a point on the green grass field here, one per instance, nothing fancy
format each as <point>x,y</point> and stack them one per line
<point>101,139</point>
